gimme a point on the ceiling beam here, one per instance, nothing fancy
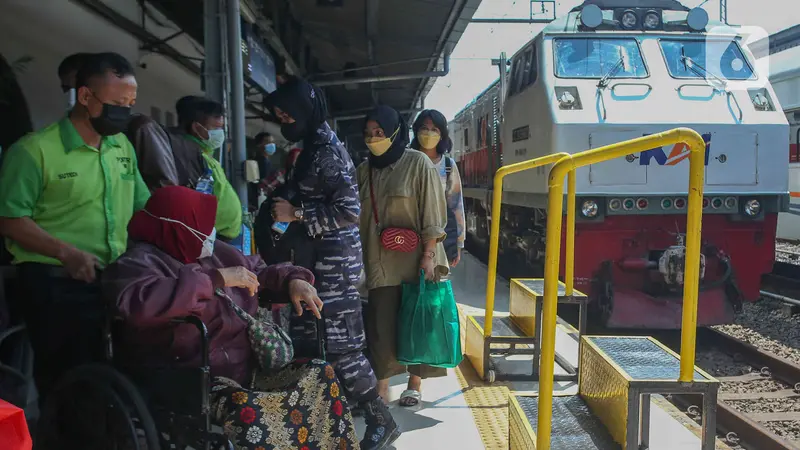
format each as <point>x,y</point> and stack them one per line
<point>372,17</point>
<point>447,29</point>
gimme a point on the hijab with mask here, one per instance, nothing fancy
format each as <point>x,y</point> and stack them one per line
<point>179,221</point>
<point>304,103</point>
<point>384,152</point>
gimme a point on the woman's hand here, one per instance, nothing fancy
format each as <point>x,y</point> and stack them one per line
<point>455,260</point>
<point>428,265</point>
<point>301,292</point>
<point>282,210</point>
<point>239,277</point>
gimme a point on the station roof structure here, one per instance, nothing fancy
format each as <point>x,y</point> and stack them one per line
<point>361,52</point>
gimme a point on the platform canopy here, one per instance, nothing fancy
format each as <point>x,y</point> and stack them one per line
<point>346,46</point>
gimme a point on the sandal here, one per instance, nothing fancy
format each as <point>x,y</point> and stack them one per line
<point>410,398</point>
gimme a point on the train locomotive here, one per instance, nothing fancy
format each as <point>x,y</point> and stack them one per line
<point>613,70</point>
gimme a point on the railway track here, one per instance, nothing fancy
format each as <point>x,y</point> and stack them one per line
<point>750,402</point>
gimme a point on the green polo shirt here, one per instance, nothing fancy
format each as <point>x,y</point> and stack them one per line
<point>229,207</point>
<point>74,192</point>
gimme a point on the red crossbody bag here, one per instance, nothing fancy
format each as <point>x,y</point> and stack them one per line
<point>393,238</point>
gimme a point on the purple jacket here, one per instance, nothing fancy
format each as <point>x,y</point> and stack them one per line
<point>149,288</point>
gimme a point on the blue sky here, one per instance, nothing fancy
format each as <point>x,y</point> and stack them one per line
<point>470,66</point>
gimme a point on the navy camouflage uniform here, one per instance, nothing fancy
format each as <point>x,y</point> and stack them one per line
<point>331,208</point>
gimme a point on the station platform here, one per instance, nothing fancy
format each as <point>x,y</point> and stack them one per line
<point>462,411</point>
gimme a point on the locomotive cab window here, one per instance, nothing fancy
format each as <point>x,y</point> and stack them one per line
<point>524,71</point>
<point>694,58</point>
<point>599,57</point>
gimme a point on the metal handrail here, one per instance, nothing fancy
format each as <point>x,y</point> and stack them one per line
<point>494,233</point>
<point>568,164</point>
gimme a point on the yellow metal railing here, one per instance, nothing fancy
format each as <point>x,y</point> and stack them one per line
<point>568,164</point>
<point>494,233</point>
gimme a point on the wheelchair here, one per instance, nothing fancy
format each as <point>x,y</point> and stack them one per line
<point>115,405</point>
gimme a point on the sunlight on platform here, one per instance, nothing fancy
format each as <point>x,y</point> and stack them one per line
<point>462,412</point>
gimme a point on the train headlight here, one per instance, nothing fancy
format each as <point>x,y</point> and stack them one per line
<point>752,208</point>
<point>629,19</point>
<point>730,202</point>
<point>589,208</point>
<point>614,204</point>
<point>652,20</point>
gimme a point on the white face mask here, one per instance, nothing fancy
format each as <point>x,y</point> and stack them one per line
<point>216,138</point>
<point>208,244</point>
<point>208,241</point>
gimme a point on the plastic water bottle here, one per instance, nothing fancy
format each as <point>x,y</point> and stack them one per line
<point>206,183</point>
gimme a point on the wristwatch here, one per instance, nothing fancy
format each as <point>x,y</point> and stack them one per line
<point>298,213</point>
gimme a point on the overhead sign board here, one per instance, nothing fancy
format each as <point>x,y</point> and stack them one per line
<point>259,66</point>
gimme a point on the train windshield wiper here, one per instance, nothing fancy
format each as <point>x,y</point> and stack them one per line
<point>690,64</point>
<point>622,62</point>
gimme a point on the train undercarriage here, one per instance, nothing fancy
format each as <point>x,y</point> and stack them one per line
<point>632,266</point>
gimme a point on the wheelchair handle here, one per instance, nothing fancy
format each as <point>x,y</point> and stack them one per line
<point>201,327</point>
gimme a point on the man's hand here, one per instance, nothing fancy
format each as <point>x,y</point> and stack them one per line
<point>455,260</point>
<point>79,265</point>
<point>283,211</point>
<point>239,277</point>
<point>301,292</point>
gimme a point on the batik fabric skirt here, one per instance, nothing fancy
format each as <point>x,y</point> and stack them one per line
<point>300,407</point>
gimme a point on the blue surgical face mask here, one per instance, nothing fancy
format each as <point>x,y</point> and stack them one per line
<point>216,138</point>
<point>270,149</point>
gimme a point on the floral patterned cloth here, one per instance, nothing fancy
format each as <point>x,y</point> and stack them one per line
<point>300,407</point>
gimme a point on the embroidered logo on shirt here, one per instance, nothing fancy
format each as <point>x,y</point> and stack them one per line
<point>67,175</point>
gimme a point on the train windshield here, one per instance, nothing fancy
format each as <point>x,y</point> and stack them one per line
<point>694,58</point>
<point>599,57</point>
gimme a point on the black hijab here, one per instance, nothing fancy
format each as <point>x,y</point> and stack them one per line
<point>305,103</point>
<point>391,121</point>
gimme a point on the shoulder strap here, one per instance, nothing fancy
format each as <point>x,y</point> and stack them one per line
<point>448,168</point>
<point>372,198</point>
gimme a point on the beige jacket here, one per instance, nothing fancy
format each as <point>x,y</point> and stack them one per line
<point>408,194</point>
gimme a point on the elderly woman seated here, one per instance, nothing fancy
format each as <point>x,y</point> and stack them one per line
<point>174,269</point>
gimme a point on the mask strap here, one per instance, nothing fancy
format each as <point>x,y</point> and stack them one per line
<point>199,235</point>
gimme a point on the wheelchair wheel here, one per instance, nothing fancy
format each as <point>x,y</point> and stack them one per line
<point>95,407</point>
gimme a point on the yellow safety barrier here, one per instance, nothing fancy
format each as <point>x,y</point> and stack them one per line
<point>494,233</point>
<point>568,164</point>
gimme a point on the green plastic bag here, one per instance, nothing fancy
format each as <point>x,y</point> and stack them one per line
<point>428,329</point>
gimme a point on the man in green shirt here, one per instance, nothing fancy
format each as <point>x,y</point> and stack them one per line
<point>67,193</point>
<point>203,120</point>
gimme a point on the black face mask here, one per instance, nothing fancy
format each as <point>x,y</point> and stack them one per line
<point>293,132</point>
<point>112,120</point>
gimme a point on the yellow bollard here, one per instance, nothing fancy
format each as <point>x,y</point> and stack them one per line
<point>568,164</point>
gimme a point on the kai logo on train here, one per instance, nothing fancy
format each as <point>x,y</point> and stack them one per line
<point>670,156</point>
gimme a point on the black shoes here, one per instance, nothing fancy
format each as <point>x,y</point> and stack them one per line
<point>382,430</point>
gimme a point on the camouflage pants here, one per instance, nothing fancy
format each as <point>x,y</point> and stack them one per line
<point>344,344</point>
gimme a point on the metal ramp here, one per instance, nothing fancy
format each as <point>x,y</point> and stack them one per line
<point>574,426</point>
<point>519,333</point>
<point>617,372</point>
